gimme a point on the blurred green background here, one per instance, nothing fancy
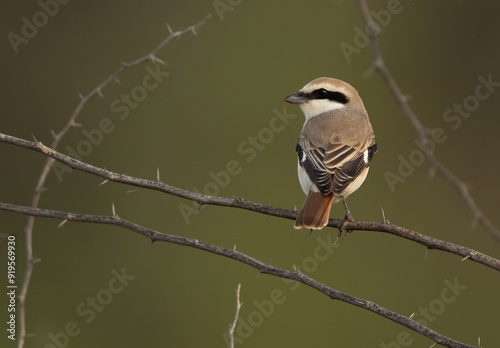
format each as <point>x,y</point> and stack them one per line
<point>222,88</point>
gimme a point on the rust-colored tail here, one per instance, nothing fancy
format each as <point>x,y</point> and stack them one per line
<point>315,212</point>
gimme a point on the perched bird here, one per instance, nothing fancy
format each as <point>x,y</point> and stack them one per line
<point>335,147</point>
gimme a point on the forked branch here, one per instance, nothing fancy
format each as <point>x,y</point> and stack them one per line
<point>28,230</point>
<point>262,267</point>
<point>419,129</point>
<point>156,185</point>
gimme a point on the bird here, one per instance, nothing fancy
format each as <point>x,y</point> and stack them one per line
<point>335,148</point>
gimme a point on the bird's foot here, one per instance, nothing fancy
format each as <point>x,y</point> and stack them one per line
<point>347,218</point>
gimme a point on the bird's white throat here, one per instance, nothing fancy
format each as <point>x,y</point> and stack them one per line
<point>318,106</point>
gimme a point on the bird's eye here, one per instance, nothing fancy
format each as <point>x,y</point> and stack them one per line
<point>321,92</point>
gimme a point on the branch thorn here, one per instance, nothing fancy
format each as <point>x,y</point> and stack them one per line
<point>426,253</point>
<point>158,60</point>
<point>386,222</point>
<point>41,189</point>
<point>102,183</point>
<point>171,32</point>
<point>406,98</point>
<point>37,260</point>
<point>62,223</point>
<point>337,238</point>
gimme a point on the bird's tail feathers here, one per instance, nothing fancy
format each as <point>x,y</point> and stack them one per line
<point>315,212</point>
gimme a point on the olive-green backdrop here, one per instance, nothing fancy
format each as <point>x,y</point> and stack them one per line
<point>213,120</point>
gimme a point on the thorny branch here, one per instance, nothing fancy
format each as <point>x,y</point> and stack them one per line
<point>419,129</point>
<point>429,242</point>
<point>157,185</point>
<point>28,230</point>
<point>264,268</point>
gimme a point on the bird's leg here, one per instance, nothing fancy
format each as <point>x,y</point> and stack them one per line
<point>348,217</point>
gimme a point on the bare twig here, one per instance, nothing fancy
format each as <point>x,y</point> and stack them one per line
<point>28,230</point>
<point>419,129</point>
<point>387,227</point>
<point>248,260</point>
<point>237,314</point>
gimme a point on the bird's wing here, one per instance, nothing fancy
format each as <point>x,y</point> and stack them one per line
<point>333,168</point>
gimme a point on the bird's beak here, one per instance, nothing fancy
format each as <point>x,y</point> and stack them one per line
<point>296,98</point>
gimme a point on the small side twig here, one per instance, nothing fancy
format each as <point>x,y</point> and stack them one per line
<point>39,188</point>
<point>419,129</point>
<point>236,316</point>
